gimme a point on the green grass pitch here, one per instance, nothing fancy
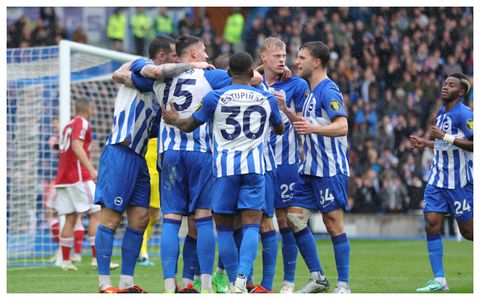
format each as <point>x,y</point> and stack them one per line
<point>376,266</point>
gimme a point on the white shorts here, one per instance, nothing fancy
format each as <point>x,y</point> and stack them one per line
<point>76,198</point>
<point>51,201</point>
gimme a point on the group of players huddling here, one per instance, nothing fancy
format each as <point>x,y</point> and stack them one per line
<point>237,146</point>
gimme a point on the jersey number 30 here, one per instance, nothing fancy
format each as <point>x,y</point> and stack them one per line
<point>234,111</point>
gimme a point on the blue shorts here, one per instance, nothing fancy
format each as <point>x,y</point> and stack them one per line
<point>269,192</point>
<point>325,194</point>
<point>457,202</point>
<point>287,176</point>
<point>186,182</point>
<point>238,192</point>
<point>123,179</point>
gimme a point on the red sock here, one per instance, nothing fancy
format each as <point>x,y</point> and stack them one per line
<point>78,234</point>
<point>66,244</point>
<point>55,230</point>
<point>92,244</point>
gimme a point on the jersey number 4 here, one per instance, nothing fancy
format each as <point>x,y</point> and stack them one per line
<point>461,207</point>
<point>234,111</point>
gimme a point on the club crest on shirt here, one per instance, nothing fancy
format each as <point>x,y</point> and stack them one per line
<point>447,125</point>
<point>199,106</point>
<point>335,104</point>
<point>307,93</point>
<point>470,124</point>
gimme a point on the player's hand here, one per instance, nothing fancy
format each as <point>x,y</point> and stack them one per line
<point>93,175</point>
<point>302,126</point>
<point>416,142</point>
<point>287,74</point>
<point>170,116</point>
<point>436,132</point>
<point>260,69</point>
<point>282,104</point>
<point>202,65</point>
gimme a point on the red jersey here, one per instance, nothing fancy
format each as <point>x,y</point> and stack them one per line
<point>70,170</point>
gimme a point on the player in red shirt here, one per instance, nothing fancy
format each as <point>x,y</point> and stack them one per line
<point>75,181</point>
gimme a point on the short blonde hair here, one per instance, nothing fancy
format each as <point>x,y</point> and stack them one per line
<point>272,42</point>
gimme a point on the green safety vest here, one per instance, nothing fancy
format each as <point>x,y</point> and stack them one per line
<point>140,25</point>
<point>116,27</point>
<point>164,24</point>
<point>233,28</point>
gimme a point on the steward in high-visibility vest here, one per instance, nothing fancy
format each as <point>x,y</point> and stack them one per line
<point>164,23</point>
<point>233,28</point>
<point>116,29</point>
<point>141,27</point>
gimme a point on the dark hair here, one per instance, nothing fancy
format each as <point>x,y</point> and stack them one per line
<point>240,63</point>
<point>318,50</point>
<point>160,43</point>
<point>184,41</point>
<point>464,82</point>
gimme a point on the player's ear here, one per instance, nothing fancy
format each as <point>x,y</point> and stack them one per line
<point>251,73</point>
<point>229,73</point>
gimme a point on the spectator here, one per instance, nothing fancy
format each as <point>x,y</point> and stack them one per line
<point>117,29</point>
<point>163,22</point>
<point>233,29</point>
<point>141,29</point>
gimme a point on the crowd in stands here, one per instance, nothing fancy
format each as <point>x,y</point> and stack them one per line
<point>388,62</point>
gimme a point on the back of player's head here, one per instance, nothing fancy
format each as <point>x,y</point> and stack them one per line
<point>272,43</point>
<point>184,41</point>
<point>318,50</point>
<point>464,82</point>
<point>82,105</point>
<point>241,64</point>
<point>222,61</point>
<point>160,44</point>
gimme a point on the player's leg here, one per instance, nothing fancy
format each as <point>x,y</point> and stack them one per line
<point>284,180</point>
<point>268,237</point>
<point>332,200</point>
<point>66,241</point>
<point>190,258</point>
<point>434,210</point>
<point>78,237</point>
<point>463,210</point>
<point>205,247</point>
<point>173,185</point>
<point>225,193</point>
<point>251,203</point>
<point>154,216</point>
<point>304,202</point>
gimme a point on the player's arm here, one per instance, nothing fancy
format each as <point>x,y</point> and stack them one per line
<point>81,155</point>
<point>172,70</point>
<point>172,117</point>
<point>465,144</point>
<point>338,127</point>
<point>275,117</point>
<point>123,75</point>
<point>418,142</point>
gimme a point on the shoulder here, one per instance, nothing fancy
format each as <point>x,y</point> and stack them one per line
<point>298,81</point>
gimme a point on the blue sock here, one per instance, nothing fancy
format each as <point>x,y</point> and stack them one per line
<point>290,253</point>
<point>220,263</point>
<point>269,258</point>
<point>131,244</point>
<point>435,254</point>
<point>308,249</point>
<point>341,247</point>
<point>104,247</point>
<point>248,248</point>
<point>227,251</point>
<point>169,248</point>
<point>190,261</point>
<point>206,244</point>
<point>238,236</point>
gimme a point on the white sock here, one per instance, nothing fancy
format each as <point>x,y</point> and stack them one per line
<point>126,281</point>
<point>186,281</point>
<point>220,271</point>
<point>342,284</point>
<point>241,280</point>
<point>289,283</point>
<point>316,275</point>
<point>197,277</point>
<point>104,281</point>
<point>207,282</point>
<point>170,284</point>
<point>442,280</point>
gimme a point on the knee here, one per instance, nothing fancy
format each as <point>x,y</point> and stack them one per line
<point>282,221</point>
<point>467,233</point>
<point>266,225</point>
<point>297,220</point>
<point>432,229</point>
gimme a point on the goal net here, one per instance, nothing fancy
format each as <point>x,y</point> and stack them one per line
<point>42,85</point>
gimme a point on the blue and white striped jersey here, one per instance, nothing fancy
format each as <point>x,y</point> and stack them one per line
<point>240,117</point>
<point>134,113</point>
<point>452,166</point>
<point>187,91</point>
<point>324,156</point>
<point>285,146</point>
